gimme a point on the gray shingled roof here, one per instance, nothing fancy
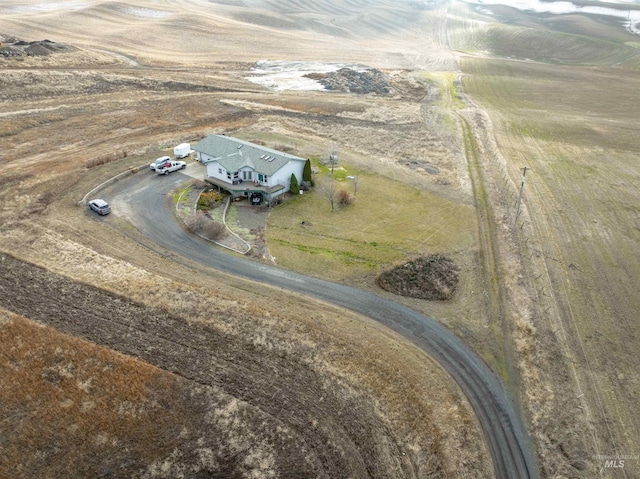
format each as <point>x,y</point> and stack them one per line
<point>234,154</point>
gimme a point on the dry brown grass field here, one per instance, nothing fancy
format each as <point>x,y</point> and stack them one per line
<point>120,360</point>
<point>578,235</point>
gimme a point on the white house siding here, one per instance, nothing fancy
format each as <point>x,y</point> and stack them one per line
<point>283,175</point>
<point>258,160</point>
<point>202,157</point>
<point>212,170</point>
<point>280,177</point>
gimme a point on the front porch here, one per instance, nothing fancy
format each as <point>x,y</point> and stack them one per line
<point>246,188</point>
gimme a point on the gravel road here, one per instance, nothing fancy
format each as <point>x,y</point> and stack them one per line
<point>149,209</point>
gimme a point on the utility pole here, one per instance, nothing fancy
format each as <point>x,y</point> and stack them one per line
<point>524,177</point>
<point>333,156</point>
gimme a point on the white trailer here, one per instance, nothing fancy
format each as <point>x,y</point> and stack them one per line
<point>182,150</point>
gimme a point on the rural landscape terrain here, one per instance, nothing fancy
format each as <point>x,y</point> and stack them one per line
<point>129,347</point>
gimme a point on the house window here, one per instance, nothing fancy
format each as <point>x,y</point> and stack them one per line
<point>228,175</point>
<point>220,170</point>
<point>247,175</point>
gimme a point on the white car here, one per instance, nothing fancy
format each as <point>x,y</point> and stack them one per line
<point>100,206</point>
<point>163,159</point>
<point>168,167</point>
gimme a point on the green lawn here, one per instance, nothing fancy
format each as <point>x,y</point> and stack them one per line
<point>387,223</point>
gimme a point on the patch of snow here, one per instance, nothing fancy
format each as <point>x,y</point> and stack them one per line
<point>486,11</point>
<point>144,12</point>
<point>282,75</point>
<point>44,7</point>
<point>631,18</point>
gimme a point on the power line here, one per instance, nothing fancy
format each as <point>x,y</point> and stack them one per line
<point>524,177</point>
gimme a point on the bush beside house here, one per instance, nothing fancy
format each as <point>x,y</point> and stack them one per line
<point>294,187</point>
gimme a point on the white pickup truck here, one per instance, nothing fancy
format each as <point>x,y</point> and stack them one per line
<point>169,166</point>
<point>158,162</point>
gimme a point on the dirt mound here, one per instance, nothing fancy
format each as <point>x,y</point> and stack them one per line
<point>14,47</point>
<point>350,80</point>
<point>427,277</point>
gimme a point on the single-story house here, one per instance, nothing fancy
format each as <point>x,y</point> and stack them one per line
<point>246,169</point>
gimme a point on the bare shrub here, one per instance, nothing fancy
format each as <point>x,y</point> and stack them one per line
<point>195,222</point>
<point>213,230</point>
<point>202,225</point>
<point>198,184</point>
<point>305,185</point>
<point>344,198</point>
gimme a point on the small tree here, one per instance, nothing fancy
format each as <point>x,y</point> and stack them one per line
<point>306,173</point>
<point>294,188</point>
<point>327,188</point>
